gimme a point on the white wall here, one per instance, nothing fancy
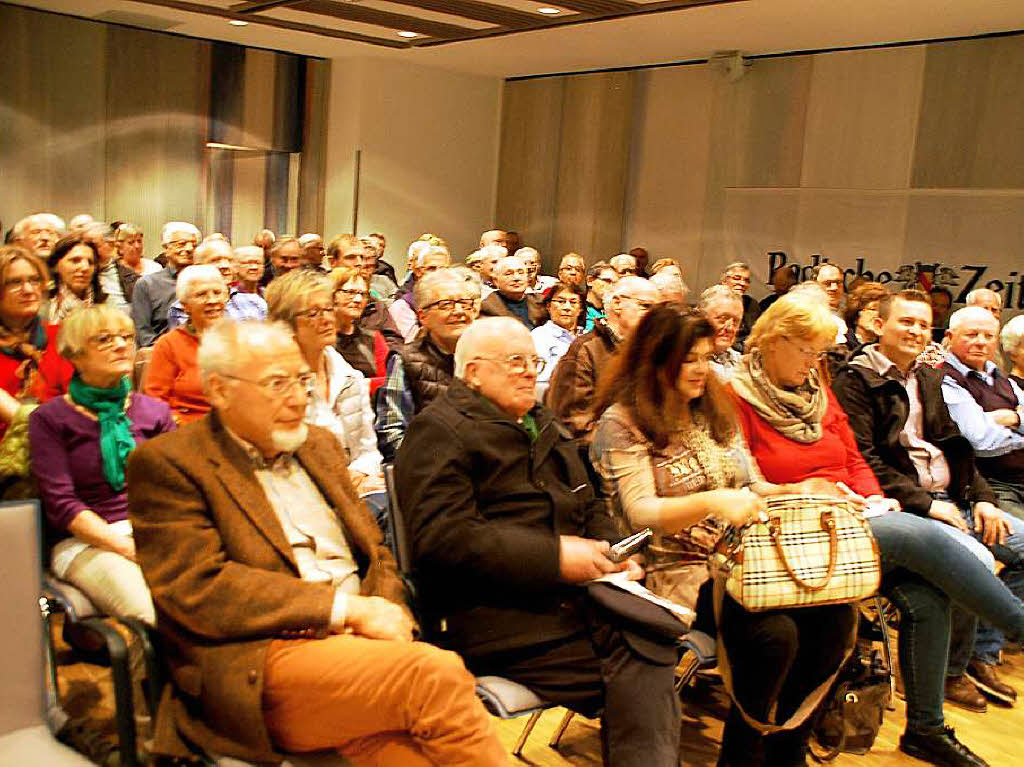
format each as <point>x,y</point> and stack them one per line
<point>429,148</point>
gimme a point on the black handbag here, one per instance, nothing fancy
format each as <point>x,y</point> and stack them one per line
<point>852,716</point>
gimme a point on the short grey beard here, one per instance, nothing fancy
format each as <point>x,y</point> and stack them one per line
<point>291,440</point>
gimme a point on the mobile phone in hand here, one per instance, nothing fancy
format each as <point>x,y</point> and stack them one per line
<point>627,547</point>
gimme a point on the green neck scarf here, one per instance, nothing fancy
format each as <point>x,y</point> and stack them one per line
<point>116,440</point>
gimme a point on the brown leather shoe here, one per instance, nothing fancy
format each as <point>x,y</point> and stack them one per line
<point>960,691</point>
<point>984,677</point>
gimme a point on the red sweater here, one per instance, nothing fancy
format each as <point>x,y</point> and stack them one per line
<point>834,457</point>
<point>48,380</point>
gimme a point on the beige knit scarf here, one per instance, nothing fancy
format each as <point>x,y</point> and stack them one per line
<point>796,413</point>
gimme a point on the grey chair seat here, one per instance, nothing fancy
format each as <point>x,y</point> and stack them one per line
<point>36,747</point>
<point>77,605</point>
<point>507,699</point>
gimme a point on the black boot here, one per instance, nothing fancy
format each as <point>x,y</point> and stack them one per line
<point>939,746</point>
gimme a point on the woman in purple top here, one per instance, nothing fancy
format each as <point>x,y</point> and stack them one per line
<point>79,445</point>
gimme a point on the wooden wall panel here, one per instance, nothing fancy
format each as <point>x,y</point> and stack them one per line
<point>758,128</point>
<point>972,117</point>
<point>51,115</point>
<point>665,202</point>
<point>861,119</point>
<point>531,123</point>
<point>313,166</point>
<point>258,99</point>
<point>593,164</point>
<point>157,124</point>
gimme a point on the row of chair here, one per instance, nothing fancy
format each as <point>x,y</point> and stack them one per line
<point>25,737</point>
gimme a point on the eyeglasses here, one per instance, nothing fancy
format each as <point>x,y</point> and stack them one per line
<point>517,364</point>
<point>280,386</point>
<point>104,341</point>
<point>180,244</point>
<point>448,304</point>
<point>566,301</point>
<point>809,354</point>
<point>316,312</point>
<point>23,284</point>
<point>350,294</point>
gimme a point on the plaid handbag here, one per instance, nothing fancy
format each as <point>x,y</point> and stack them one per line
<point>805,550</point>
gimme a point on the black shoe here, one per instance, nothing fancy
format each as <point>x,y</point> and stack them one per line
<point>939,746</point>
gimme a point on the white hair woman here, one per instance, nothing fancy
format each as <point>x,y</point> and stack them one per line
<point>173,374</point>
<point>1011,339</point>
<point>340,400</point>
<point>79,445</point>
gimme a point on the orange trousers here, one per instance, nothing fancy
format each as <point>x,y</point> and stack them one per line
<point>377,702</point>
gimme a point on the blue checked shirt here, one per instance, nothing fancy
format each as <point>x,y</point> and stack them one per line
<point>395,409</point>
<point>240,306</point>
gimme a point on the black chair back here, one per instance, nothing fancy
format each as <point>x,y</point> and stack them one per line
<point>396,520</point>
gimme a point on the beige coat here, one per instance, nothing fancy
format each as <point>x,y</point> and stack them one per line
<point>224,580</point>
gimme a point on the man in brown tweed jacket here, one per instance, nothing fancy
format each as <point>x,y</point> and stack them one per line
<point>281,611</point>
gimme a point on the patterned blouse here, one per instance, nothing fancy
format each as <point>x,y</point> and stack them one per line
<point>636,478</point>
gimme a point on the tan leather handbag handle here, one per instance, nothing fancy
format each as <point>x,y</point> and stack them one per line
<point>828,523</point>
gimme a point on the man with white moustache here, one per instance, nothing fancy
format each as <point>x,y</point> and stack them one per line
<point>283,618</point>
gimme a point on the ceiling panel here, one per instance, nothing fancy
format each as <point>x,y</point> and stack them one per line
<point>429,15</point>
<point>647,37</point>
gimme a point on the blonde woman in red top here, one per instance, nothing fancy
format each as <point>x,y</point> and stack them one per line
<point>796,430</point>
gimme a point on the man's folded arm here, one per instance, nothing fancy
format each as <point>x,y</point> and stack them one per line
<point>189,573</point>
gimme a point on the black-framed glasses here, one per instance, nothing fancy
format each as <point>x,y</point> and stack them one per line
<point>280,386</point>
<point>448,304</point>
<point>567,301</point>
<point>517,364</point>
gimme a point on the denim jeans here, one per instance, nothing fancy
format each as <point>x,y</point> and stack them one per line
<point>1011,497</point>
<point>921,567</point>
<point>971,638</point>
<point>377,503</point>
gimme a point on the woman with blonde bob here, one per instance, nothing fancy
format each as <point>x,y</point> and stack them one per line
<point>79,445</point>
<point>340,400</point>
<point>797,431</point>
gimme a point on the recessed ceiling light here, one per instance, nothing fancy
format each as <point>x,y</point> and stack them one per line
<point>548,11</point>
<point>238,23</point>
<point>408,35</point>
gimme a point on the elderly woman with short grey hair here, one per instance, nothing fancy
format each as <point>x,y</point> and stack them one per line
<point>304,299</point>
<point>79,445</point>
<point>173,374</point>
